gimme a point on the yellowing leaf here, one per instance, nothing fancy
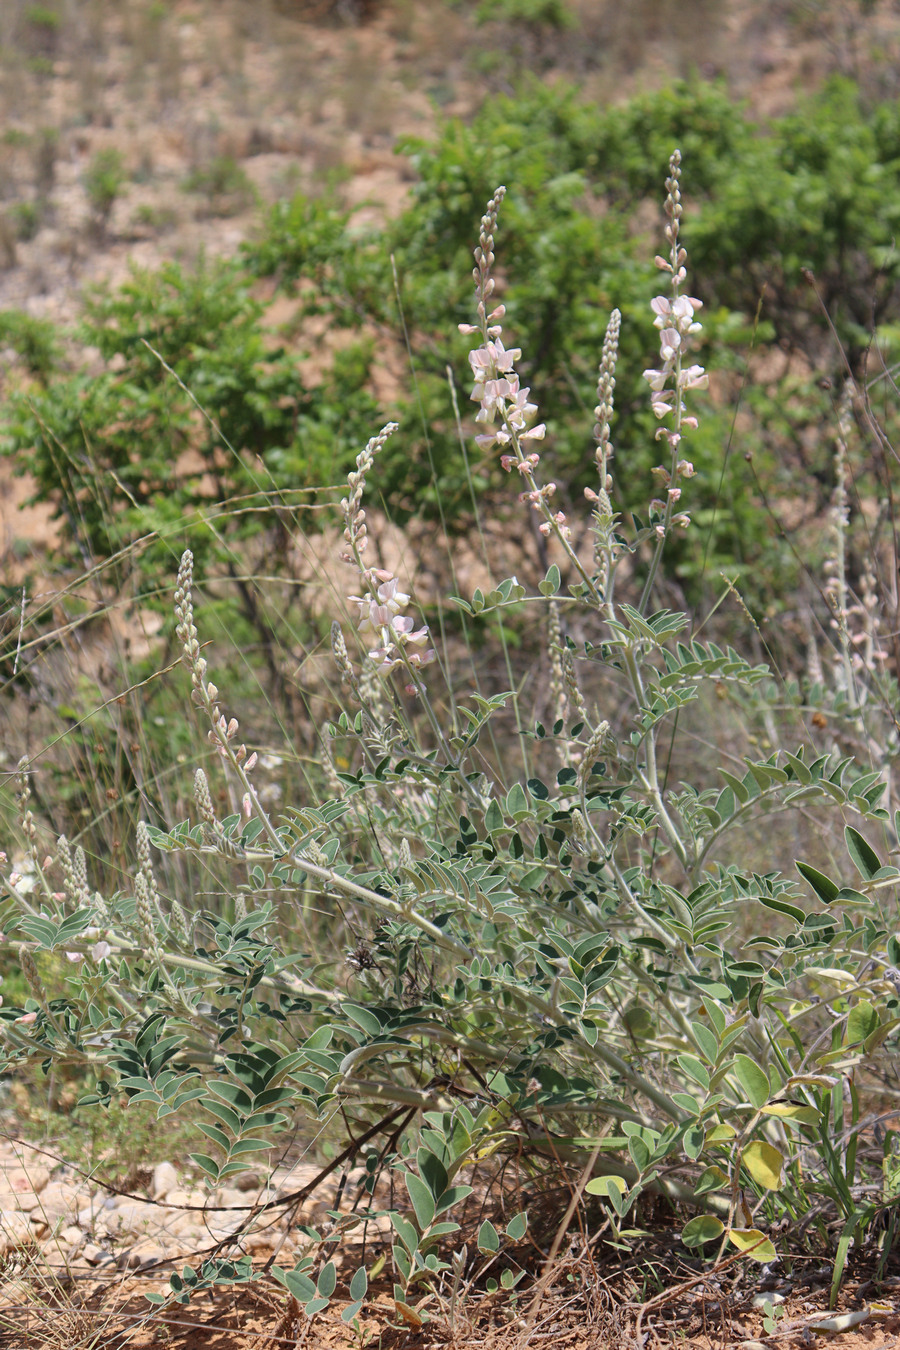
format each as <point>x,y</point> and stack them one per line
<point>718,1134</point>
<point>832,974</point>
<point>603,1185</point>
<point>764,1163</point>
<point>802,1115</point>
<point>711,1180</point>
<point>753,1242</point>
<point>409,1315</point>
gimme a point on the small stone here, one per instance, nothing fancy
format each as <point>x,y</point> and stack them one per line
<point>72,1237</point>
<point>97,1256</point>
<point>56,1201</point>
<point>30,1180</point>
<point>15,1231</point>
<point>248,1181</point>
<point>90,1213</point>
<point>133,1217</point>
<point>165,1179</point>
<point>760,1300</point>
<point>140,1256</point>
<point>228,1196</point>
<point>180,1197</point>
<point>26,1201</point>
<point>188,1226</point>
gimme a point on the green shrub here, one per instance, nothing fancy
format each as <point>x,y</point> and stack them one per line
<point>224,184</point>
<point>104,178</point>
<point>34,340</point>
<point>193,409</point>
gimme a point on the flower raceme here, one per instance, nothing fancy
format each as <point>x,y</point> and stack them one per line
<point>675,320</point>
<point>380,612</point>
<point>502,402</point>
<point>382,601</point>
<point>674,316</point>
<point>498,393</point>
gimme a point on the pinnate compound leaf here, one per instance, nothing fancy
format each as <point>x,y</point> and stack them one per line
<point>550,584</point>
<point>880,1034</point>
<point>706,1040</point>
<point>782,907</point>
<point>206,1164</point>
<point>453,1195</point>
<point>694,1069</point>
<point>405,1231</point>
<point>316,1305</point>
<point>300,1285</point>
<point>764,1163</point>
<point>517,803</point>
<point>713,1179</point>
<point>433,1172</point>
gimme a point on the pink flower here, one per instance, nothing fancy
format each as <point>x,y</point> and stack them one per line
<point>695,377</point>
<point>670,341</point>
<point>656,379</point>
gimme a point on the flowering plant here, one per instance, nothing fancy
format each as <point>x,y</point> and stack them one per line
<point>529,943</point>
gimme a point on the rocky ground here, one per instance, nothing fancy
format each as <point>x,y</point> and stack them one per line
<point>77,1221</point>
<point>62,1231</point>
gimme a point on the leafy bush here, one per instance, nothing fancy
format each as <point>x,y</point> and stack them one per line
<point>225,185</point>
<point>104,178</point>
<point>193,408</point>
<point>527,937</point>
<point>34,340</point>
<point>817,190</point>
<point>582,177</point>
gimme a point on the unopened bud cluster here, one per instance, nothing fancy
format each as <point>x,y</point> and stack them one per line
<point>32,976</point>
<point>203,692</point>
<point>603,515</point>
